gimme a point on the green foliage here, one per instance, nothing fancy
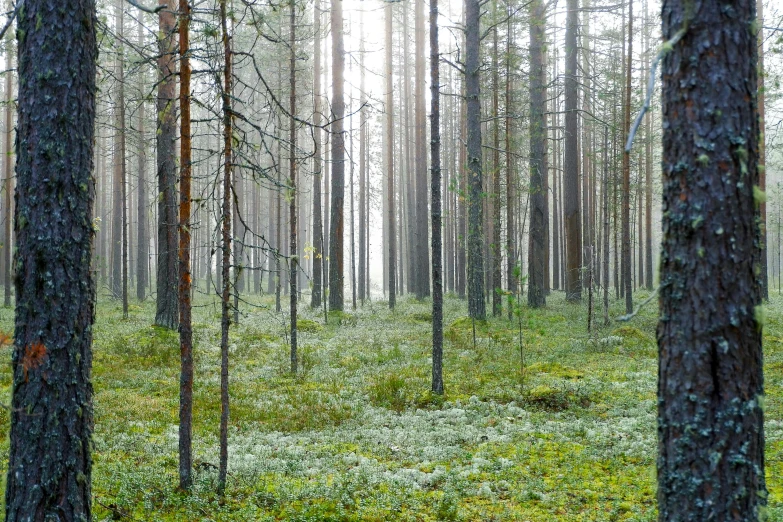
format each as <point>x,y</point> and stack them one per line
<point>389,391</point>
<point>308,326</point>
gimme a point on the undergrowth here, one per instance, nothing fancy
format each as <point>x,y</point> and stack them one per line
<point>357,435</point>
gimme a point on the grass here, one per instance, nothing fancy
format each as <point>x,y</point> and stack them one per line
<point>357,434</point>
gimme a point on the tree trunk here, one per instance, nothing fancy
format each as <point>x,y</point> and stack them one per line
<point>390,228</point>
<point>166,314</point>
<point>50,462</point>
<point>536,295</point>
<point>710,384</point>
<point>573,226</point>
<point>626,196</point>
<point>762,152</point>
<point>363,135</point>
<point>225,318</point>
<point>292,196</point>
<point>422,268</point>
<point>7,168</point>
<point>497,259</point>
<point>437,247</point>
<point>143,250</point>
<point>336,271</point>
<point>511,249</point>
<point>185,326</point>
<point>476,304</point>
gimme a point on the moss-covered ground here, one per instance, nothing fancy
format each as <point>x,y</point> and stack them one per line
<point>357,436</point>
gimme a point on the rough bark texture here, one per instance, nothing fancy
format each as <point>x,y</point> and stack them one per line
<point>497,200</point>
<point>185,323</point>
<point>476,304</point>
<point>7,170</point>
<point>336,269</point>
<point>573,226</point>
<point>225,318</point>
<point>166,314</point>
<point>50,463</point>
<point>437,242</point>
<point>536,295</point>
<point>710,383</point>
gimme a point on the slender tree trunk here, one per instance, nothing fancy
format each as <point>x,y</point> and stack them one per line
<point>166,314</point>
<point>511,249</point>
<point>363,229</point>
<point>8,169</point>
<point>292,196</point>
<point>336,270</point>
<point>536,295</point>
<point>225,320</point>
<point>710,383</point>
<point>497,259</point>
<point>462,224</point>
<point>605,198</point>
<point>476,304</point>
<point>571,174</point>
<point>185,323</point>
<point>390,228</point>
<point>437,247</point>
<point>762,151</point>
<point>318,247</point>
<point>50,458</point>
<point>422,269</point>
<point>143,250</point>
<point>626,199</point>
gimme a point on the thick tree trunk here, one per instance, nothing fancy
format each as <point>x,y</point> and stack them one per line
<point>166,314</point>
<point>573,226</point>
<point>511,248</point>
<point>336,270</point>
<point>50,461</point>
<point>476,304</point>
<point>710,383</point>
<point>185,326</point>
<point>536,295</point>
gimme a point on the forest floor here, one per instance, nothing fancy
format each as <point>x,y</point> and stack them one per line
<point>357,435</point>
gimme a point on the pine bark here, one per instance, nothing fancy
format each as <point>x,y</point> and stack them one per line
<point>167,312</point>
<point>536,296</point>
<point>435,184</point>
<point>710,383</point>
<point>422,265</point>
<point>8,170</point>
<point>225,304</point>
<point>184,288</point>
<point>293,194</point>
<point>50,461</point>
<point>475,248</point>
<point>571,189</point>
<point>336,269</point>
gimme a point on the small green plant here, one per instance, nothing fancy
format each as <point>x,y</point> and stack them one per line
<point>388,391</point>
